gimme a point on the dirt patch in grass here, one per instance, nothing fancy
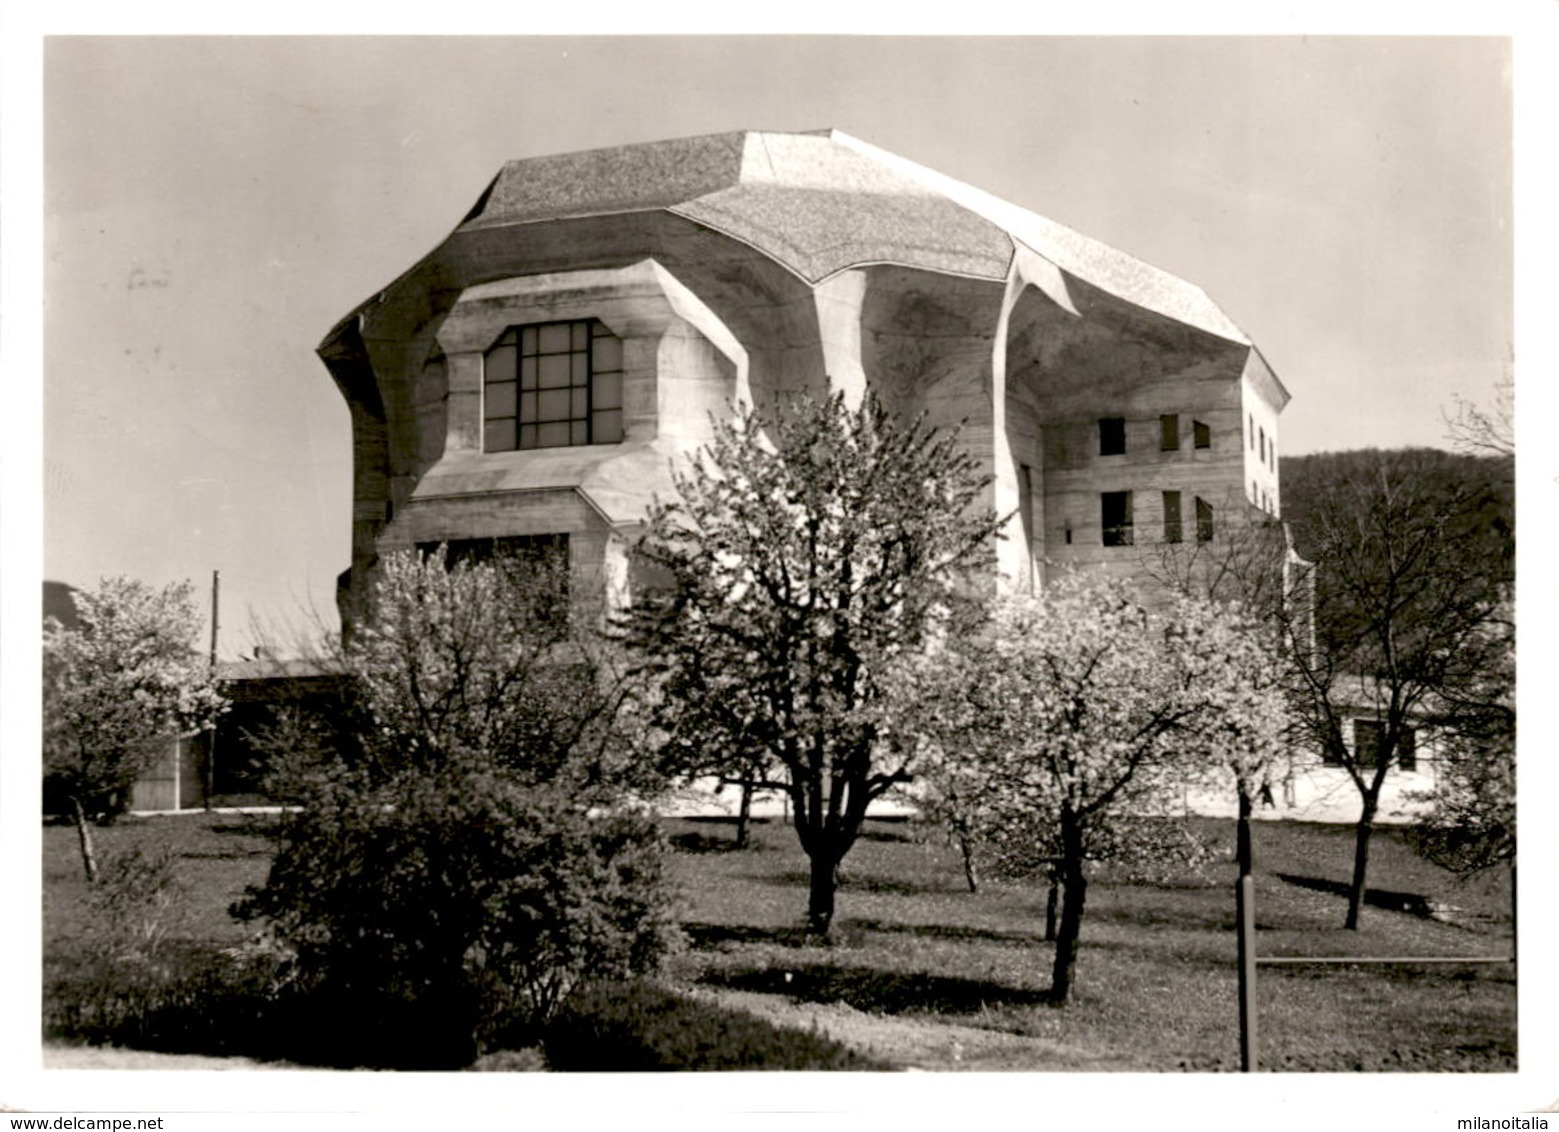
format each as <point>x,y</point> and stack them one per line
<point>920,1042</point>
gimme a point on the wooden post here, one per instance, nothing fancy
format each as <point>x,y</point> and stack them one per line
<point>1245,916</point>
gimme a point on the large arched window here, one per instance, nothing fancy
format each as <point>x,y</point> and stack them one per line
<point>553,385</point>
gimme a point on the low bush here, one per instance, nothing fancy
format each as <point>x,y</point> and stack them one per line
<point>192,1001</point>
<point>638,1026</point>
<point>459,908</point>
<point>222,1004</point>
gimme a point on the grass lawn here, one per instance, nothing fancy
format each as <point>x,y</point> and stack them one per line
<point>922,973</point>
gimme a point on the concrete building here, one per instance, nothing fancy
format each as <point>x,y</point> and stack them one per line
<point>532,378</point>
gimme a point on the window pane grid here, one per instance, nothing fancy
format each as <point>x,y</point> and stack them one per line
<point>553,385</point>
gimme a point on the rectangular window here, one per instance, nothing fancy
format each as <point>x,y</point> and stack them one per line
<point>1172,531</point>
<point>1407,750</point>
<point>1263,434</point>
<point>539,550</point>
<point>1368,735</point>
<point>1201,435</point>
<point>1169,432</point>
<point>1112,436</point>
<point>1250,424</point>
<point>1204,520</point>
<point>1115,507</point>
<point>553,385</point>
<point>539,561</point>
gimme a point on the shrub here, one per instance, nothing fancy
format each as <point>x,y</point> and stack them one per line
<point>638,1026</point>
<point>192,1001</point>
<point>462,854</point>
<point>460,906</point>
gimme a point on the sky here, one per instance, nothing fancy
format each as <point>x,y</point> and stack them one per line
<point>214,205</point>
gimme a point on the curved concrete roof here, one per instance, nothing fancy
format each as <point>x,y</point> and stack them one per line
<point>819,203</point>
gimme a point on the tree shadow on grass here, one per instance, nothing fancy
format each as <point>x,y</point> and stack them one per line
<point>1406,973</point>
<point>901,836</point>
<point>249,825</point>
<point>714,937</point>
<point>700,843</point>
<point>1178,919</point>
<point>877,991</point>
<point>864,882</point>
<point>1391,900</point>
<point>959,932</point>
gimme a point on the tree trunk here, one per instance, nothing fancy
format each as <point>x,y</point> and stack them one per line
<point>971,870</point>
<point>1361,861</point>
<point>744,815</point>
<point>820,895</point>
<point>88,854</point>
<point>1074,890</point>
<point>1052,906</point>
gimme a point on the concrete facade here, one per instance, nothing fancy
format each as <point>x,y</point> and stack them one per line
<point>745,266</point>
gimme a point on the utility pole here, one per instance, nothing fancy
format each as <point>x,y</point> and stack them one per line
<point>216,583</point>
<point>211,732</point>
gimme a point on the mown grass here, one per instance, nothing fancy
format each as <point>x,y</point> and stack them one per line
<point>944,968</point>
<point>1156,984</point>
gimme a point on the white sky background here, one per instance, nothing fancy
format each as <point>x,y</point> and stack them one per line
<point>212,208</point>
<point>215,205</point>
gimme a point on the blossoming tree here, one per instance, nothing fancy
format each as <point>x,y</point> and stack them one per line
<point>809,554</point>
<point>1071,722</point>
<point>1233,664</point>
<point>118,687</point>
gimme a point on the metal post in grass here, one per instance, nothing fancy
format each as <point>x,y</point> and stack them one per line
<point>1245,928</point>
<point>1245,933</point>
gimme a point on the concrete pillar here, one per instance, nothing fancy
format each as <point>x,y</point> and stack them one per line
<point>839,299</point>
<point>465,401</point>
<point>1014,563</point>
